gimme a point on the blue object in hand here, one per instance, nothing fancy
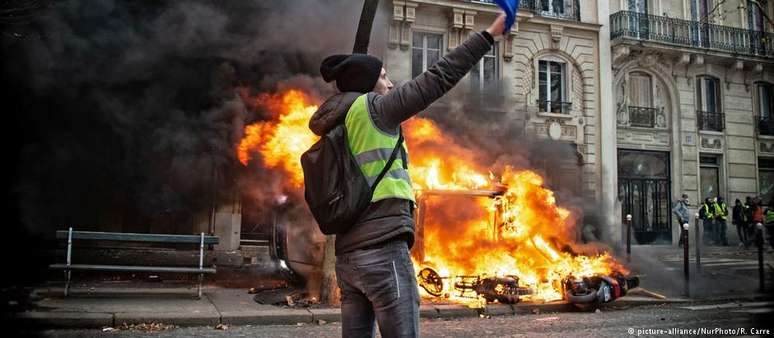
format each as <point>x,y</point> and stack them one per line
<point>511,7</point>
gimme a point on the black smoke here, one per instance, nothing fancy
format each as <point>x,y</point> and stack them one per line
<point>129,110</point>
<point>124,115</point>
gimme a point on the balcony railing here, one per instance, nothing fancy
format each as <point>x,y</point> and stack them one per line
<point>560,9</point>
<point>687,33</point>
<point>765,125</point>
<point>556,107</point>
<point>642,116</point>
<point>711,121</point>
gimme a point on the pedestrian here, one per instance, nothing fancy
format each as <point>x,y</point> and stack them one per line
<point>749,207</point>
<point>721,224</point>
<point>373,264</point>
<point>739,219</point>
<point>708,219</point>
<point>768,222</point>
<point>682,213</point>
<point>757,215</point>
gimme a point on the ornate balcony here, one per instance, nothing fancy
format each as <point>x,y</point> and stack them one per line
<point>693,34</point>
<point>642,116</point>
<point>560,9</point>
<point>555,107</point>
<point>711,121</point>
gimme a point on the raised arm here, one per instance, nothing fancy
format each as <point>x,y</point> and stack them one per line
<point>407,100</point>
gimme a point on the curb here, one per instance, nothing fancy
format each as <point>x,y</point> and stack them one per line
<point>267,317</point>
<point>70,320</point>
<point>284,316</point>
<point>177,318</point>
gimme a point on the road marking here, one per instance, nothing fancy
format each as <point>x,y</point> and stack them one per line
<point>728,306</point>
<point>756,311</point>
<point>742,263</point>
<point>705,259</point>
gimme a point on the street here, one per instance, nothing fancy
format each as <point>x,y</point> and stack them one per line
<point>714,317</point>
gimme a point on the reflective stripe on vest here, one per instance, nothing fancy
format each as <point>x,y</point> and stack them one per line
<point>721,210</point>
<point>372,149</point>
<point>708,211</point>
<point>769,216</point>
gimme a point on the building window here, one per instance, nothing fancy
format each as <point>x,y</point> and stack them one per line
<point>641,111</point>
<point>484,74</point>
<point>709,174</point>
<point>425,51</point>
<point>638,6</point>
<point>552,80</point>
<point>764,107</point>
<point>552,6</point>
<point>766,179</point>
<point>756,16</point>
<point>710,116</point>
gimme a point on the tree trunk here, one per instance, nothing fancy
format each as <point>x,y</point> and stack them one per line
<point>329,293</point>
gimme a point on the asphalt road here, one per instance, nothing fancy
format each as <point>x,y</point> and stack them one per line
<point>643,321</point>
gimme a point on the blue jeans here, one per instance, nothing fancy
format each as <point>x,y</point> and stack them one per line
<point>378,284</point>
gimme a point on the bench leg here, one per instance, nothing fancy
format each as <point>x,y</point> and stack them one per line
<point>67,282</point>
<point>201,277</point>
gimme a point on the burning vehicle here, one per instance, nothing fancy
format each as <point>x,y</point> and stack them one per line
<point>480,235</point>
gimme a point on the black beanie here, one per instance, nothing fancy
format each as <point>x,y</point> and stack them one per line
<point>353,73</point>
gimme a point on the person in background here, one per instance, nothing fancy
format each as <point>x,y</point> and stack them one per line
<point>708,218</point>
<point>757,213</point>
<point>768,222</point>
<point>749,206</point>
<point>739,219</point>
<point>682,213</point>
<point>721,224</point>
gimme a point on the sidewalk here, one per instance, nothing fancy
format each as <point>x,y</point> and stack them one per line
<point>100,306</point>
<point>728,274</point>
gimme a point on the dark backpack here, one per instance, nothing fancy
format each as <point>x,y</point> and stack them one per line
<point>335,188</point>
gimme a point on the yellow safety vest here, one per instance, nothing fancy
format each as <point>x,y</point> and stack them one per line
<point>372,148</point>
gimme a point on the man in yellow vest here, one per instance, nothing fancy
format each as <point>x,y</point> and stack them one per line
<point>373,264</point>
<point>707,215</point>
<point>721,224</point>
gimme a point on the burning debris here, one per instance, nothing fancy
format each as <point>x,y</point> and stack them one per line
<point>587,292</point>
<point>480,234</point>
<point>504,289</point>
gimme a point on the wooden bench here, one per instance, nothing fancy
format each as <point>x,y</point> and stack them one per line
<point>71,235</point>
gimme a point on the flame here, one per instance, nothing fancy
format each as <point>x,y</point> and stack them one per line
<point>526,241</point>
<point>431,165</point>
<point>529,238</point>
<point>281,141</point>
<point>520,232</point>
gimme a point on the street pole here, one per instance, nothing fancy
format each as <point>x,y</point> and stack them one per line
<point>629,238</point>
<point>686,266</point>
<point>759,242</point>
<point>698,246</point>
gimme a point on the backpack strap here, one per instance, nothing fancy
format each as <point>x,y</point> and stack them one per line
<point>387,167</point>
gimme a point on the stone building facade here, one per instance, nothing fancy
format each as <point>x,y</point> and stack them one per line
<point>657,98</point>
<point>548,69</point>
<point>692,86</point>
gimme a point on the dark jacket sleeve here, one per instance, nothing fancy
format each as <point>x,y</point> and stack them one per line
<point>407,100</point>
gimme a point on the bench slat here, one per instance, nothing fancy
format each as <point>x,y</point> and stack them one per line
<point>135,237</point>
<point>130,268</point>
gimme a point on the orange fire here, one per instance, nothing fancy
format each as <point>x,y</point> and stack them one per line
<point>519,230</point>
<point>431,163</point>
<point>281,141</point>
<point>529,237</point>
